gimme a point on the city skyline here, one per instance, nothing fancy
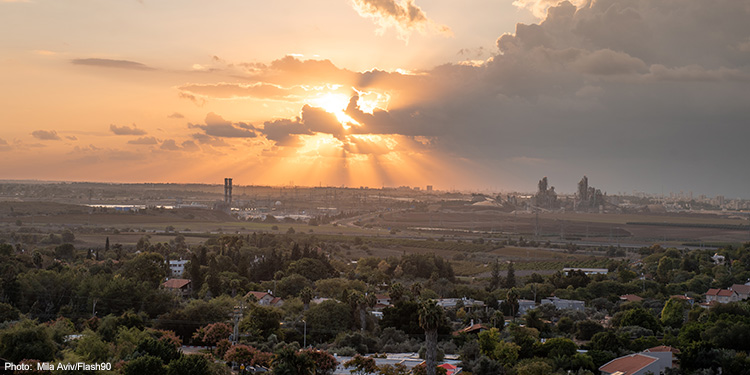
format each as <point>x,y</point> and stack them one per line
<point>636,95</point>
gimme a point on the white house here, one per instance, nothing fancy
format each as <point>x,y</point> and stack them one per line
<point>177,267</point>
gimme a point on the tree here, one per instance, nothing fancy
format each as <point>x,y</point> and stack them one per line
<point>213,333</point>
<point>195,273</point>
<point>496,279</point>
<point>188,365</point>
<point>325,363</point>
<point>144,365</point>
<point>262,321</point>
<point>326,320</point>
<point>639,317</point>
<point>26,340</point>
<point>65,251</point>
<point>306,295</point>
<point>673,313</point>
<point>361,365</point>
<point>510,278</point>
<point>148,267</point>
<point>512,301</point>
<point>288,361</point>
<point>430,318</point>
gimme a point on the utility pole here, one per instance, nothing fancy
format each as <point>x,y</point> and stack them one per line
<point>237,315</point>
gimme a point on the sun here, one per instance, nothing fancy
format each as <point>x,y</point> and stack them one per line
<point>335,103</point>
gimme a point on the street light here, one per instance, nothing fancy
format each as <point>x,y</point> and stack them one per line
<point>304,335</point>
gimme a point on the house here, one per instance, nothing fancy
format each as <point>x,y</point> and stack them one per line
<point>472,329</point>
<point>683,298</point>
<point>177,267</point>
<point>383,299</point>
<point>448,303</point>
<point>636,364</point>
<point>450,369</point>
<point>587,271</point>
<point>564,304</point>
<point>718,259</point>
<point>525,305</point>
<point>265,298</point>
<point>181,287</point>
<point>721,296</point>
<point>665,353</point>
<point>743,290</point>
<point>631,298</point>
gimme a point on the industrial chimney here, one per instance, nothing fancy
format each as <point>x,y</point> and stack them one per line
<point>228,190</point>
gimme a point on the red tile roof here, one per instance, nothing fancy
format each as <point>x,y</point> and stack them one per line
<point>257,295</point>
<point>627,365</point>
<point>175,283</point>
<point>720,292</point>
<point>662,348</point>
<point>472,328</point>
<point>631,298</point>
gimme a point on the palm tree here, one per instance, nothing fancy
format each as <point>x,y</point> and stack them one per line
<point>306,294</point>
<point>430,317</point>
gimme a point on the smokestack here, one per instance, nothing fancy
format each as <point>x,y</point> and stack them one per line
<point>228,190</point>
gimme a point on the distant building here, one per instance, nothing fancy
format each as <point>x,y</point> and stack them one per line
<point>177,267</point>
<point>564,304</point>
<point>588,271</point>
<point>429,187</point>
<point>718,259</point>
<point>721,296</point>
<point>683,298</point>
<point>525,305</point>
<point>181,287</point>
<point>636,364</point>
<point>449,303</point>
<point>472,329</point>
<point>743,290</point>
<point>631,298</point>
<point>265,299</point>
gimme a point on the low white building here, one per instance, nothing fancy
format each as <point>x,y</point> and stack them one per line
<point>564,304</point>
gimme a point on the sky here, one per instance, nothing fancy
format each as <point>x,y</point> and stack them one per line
<point>484,95</point>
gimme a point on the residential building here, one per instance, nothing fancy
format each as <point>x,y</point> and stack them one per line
<point>265,298</point>
<point>587,271</point>
<point>177,267</point>
<point>564,304</point>
<point>742,290</point>
<point>721,296</point>
<point>636,364</point>
<point>631,298</point>
<point>472,329</point>
<point>181,287</point>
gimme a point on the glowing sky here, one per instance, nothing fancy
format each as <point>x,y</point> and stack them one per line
<point>637,94</point>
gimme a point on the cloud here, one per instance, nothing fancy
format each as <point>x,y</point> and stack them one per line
<point>46,135</point>
<point>109,63</point>
<point>170,145</point>
<point>71,137</point>
<point>238,90</point>
<point>209,140</point>
<point>126,130</point>
<point>176,115</point>
<point>216,126</point>
<point>4,146</point>
<point>403,15</point>
<point>197,101</point>
<point>143,141</point>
